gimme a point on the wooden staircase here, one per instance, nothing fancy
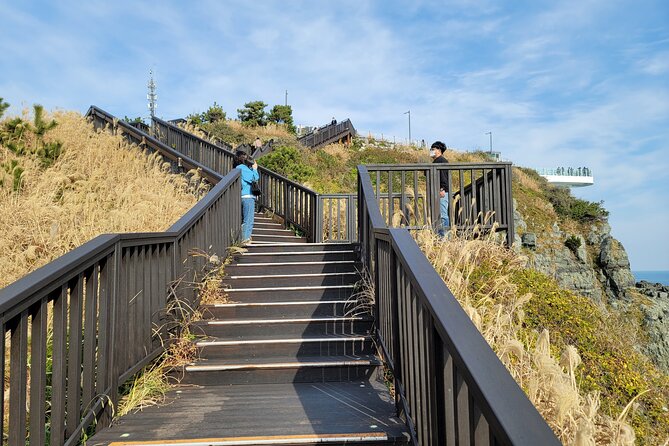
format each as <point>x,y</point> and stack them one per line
<point>288,360</point>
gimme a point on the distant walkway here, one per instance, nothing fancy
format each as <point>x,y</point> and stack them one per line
<point>342,132</point>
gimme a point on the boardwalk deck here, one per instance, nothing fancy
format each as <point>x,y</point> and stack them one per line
<point>262,410</point>
<point>282,363</point>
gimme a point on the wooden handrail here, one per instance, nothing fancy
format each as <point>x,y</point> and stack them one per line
<point>450,386</point>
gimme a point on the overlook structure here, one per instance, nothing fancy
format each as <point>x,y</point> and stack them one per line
<point>295,356</point>
<point>568,176</point>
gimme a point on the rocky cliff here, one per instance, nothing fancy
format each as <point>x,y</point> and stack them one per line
<point>589,261</point>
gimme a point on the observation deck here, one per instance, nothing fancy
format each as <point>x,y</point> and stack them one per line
<point>568,176</point>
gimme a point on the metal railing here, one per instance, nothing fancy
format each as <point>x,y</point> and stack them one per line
<point>567,171</point>
<point>408,196</point>
<point>450,387</point>
<point>294,203</point>
<point>217,158</point>
<point>100,310</point>
<point>328,134</point>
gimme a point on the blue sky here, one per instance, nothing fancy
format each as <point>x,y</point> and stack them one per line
<point>582,83</point>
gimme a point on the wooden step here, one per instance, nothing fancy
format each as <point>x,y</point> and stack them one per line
<point>279,267</point>
<point>255,256</point>
<point>285,294</point>
<point>267,225</point>
<point>302,247</point>
<point>279,309</point>
<point>215,372</point>
<point>271,231</point>
<point>249,328</point>
<point>287,280</point>
<point>288,238</point>
<point>273,347</point>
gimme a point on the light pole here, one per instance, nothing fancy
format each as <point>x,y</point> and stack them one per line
<point>490,133</point>
<point>409,113</point>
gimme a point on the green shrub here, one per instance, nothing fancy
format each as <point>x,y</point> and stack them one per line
<point>287,161</point>
<point>568,206</point>
<point>611,365</point>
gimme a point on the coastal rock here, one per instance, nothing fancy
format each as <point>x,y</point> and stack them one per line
<point>598,232</point>
<point>616,268</point>
<point>570,271</point>
<point>529,240</point>
<point>655,310</point>
<point>581,253</point>
<point>518,221</point>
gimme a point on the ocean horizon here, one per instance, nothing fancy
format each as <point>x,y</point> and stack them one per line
<point>652,276</point>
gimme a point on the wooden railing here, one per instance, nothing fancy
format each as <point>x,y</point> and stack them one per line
<point>219,159</point>
<point>79,327</point>
<point>294,203</point>
<point>328,134</point>
<point>411,193</point>
<point>450,387</point>
<point>408,196</point>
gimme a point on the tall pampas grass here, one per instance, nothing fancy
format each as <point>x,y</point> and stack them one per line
<point>477,268</point>
<point>99,184</point>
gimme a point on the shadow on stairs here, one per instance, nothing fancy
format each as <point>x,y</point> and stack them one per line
<point>286,361</point>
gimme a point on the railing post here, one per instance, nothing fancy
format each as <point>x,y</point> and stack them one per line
<point>287,218</point>
<point>508,199</point>
<point>433,195</point>
<point>350,218</point>
<point>317,219</point>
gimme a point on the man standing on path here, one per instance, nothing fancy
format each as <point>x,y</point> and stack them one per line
<point>437,154</point>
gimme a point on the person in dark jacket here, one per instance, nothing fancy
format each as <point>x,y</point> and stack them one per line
<point>437,154</point>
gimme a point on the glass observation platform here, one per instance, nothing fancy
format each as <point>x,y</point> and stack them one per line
<point>568,176</point>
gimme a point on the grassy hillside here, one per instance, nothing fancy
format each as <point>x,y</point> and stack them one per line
<point>95,184</point>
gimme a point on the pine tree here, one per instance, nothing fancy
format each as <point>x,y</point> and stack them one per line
<point>253,113</point>
<point>282,114</point>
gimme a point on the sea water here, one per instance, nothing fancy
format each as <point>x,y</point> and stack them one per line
<point>652,276</point>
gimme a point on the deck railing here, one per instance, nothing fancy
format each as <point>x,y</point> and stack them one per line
<point>328,133</point>
<point>82,325</point>
<point>294,203</point>
<point>408,196</point>
<point>450,386</point>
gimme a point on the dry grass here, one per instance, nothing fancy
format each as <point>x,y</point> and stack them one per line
<point>148,388</point>
<point>477,270</point>
<point>269,131</point>
<point>99,185</point>
<point>210,289</point>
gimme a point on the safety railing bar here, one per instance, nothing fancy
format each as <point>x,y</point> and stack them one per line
<point>183,224</point>
<point>52,275</point>
<point>377,219</point>
<point>503,402</point>
<point>163,148</point>
<point>227,149</point>
<point>424,166</point>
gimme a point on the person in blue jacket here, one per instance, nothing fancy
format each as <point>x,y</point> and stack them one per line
<point>249,173</point>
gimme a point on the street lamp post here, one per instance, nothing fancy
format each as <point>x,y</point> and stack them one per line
<point>409,113</point>
<point>490,133</point>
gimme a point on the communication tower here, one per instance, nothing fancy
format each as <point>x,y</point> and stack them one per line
<point>152,96</point>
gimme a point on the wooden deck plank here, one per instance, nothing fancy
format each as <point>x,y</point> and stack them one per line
<point>261,410</point>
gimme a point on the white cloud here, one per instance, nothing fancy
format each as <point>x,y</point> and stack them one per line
<point>546,82</point>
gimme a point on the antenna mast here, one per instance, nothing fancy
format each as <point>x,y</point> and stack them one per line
<point>152,96</point>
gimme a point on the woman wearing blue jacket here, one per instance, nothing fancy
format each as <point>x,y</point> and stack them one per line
<point>249,172</point>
